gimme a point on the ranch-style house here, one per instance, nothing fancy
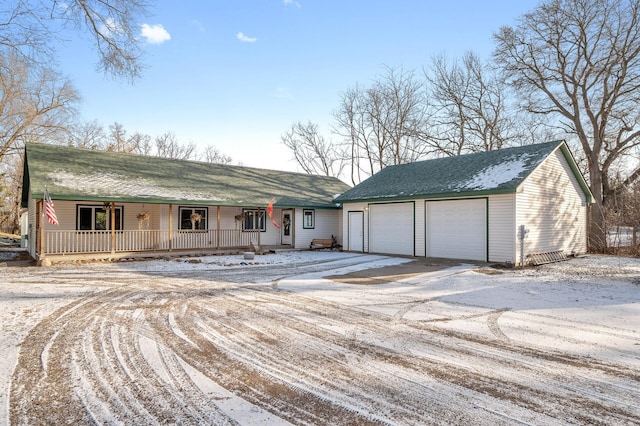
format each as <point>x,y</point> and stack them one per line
<point>117,205</point>
<point>514,205</point>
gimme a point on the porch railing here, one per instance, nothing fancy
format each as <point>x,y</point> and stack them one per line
<point>72,242</point>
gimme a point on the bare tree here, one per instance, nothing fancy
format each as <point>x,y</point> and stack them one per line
<point>141,143</point>
<point>35,104</point>
<point>28,30</point>
<point>118,141</point>
<point>622,215</point>
<point>88,135</point>
<point>214,155</point>
<point>91,135</point>
<point>578,62</point>
<point>10,192</point>
<point>470,107</point>
<point>168,146</point>
<point>384,124</point>
<point>313,153</point>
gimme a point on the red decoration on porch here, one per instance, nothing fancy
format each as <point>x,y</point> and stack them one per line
<point>270,213</point>
<point>50,211</point>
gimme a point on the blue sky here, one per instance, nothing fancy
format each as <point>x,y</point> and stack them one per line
<point>237,73</point>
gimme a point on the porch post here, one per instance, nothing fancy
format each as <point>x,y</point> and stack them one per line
<point>40,227</point>
<point>260,226</point>
<point>113,227</point>
<point>292,227</point>
<point>170,227</point>
<point>218,232</point>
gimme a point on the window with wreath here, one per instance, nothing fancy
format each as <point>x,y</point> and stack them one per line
<point>193,218</point>
<point>97,218</point>
<point>252,220</point>
<point>308,219</point>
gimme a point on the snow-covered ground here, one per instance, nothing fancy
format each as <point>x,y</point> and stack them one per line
<point>223,340</point>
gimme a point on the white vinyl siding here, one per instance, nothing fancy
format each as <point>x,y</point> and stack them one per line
<point>552,207</point>
<point>502,228</point>
<point>457,229</point>
<point>391,228</point>
<point>327,223</point>
<point>67,211</point>
<point>32,226</point>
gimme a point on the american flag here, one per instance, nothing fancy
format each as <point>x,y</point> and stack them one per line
<point>51,212</point>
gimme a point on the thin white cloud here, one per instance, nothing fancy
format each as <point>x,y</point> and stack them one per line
<point>155,34</point>
<point>199,25</point>
<point>245,38</point>
<point>282,93</point>
<point>292,3</point>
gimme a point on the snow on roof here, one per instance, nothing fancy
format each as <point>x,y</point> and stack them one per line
<point>497,174</point>
<point>112,185</point>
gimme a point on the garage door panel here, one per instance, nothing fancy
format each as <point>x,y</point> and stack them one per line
<point>391,228</point>
<point>457,229</point>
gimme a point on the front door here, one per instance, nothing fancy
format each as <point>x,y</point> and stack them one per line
<point>287,227</point>
<point>356,231</point>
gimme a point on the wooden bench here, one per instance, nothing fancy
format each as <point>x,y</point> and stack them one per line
<point>321,243</point>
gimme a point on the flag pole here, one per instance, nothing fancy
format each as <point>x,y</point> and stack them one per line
<point>41,219</point>
<point>43,213</point>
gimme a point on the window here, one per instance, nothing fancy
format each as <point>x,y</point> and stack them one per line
<point>193,217</point>
<point>308,219</point>
<point>97,218</point>
<point>251,221</point>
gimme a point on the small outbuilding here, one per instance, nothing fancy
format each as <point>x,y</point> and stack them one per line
<point>513,205</point>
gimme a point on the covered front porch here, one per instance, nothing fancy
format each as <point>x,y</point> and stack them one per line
<point>75,242</point>
<point>113,230</point>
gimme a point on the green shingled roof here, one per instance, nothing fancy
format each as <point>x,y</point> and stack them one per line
<point>89,175</point>
<point>492,172</point>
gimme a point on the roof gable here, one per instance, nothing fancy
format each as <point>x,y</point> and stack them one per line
<point>79,174</point>
<point>499,171</point>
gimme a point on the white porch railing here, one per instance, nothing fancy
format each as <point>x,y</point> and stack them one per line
<point>71,242</point>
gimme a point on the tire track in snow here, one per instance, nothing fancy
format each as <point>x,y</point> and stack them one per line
<point>532,392</point>
<point>303,360</point>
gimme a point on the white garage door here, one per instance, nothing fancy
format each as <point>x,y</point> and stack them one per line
<point>457,229</point>
<point>391,228</point>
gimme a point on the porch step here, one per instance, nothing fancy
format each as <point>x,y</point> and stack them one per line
<point>535,259</point>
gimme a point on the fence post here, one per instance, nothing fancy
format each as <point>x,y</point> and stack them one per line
<point>170,227</point>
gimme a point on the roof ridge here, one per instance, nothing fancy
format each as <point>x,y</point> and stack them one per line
<point>484,153</point>
<point>153,157</point>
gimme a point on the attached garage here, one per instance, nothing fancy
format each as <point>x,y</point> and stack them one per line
<point>391,228</point>
<point>457,229</point>
<point>471,206</point>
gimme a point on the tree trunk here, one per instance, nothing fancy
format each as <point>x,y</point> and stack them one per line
<point>597,223</point>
